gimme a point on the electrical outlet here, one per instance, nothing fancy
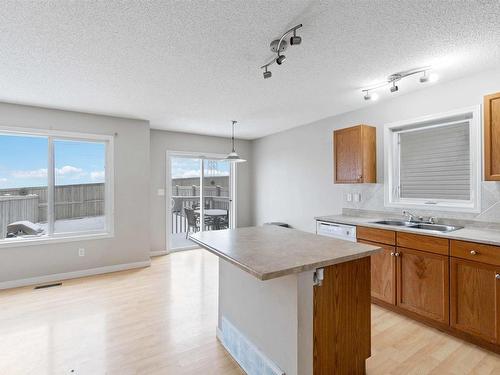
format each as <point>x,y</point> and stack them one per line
<point>349,197</point>
<point>81,252</point>
<point>357,197</point>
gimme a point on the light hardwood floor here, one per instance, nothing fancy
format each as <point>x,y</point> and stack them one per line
<point>161,320</point>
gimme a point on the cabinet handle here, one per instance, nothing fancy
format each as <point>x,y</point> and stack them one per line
<point>474,252</point>
<point>397,254</point>
<point>392,254</point>
<point>360,177</point>
<point>497,276</point>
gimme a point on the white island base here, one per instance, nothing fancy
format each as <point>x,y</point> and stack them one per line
<point>267,326</point>
<point>274,317</point>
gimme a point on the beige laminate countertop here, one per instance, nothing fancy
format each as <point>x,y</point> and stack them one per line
<point>269,252</point>
<point>473,234</point>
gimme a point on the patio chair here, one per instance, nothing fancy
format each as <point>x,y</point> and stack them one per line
<point>193,220</point>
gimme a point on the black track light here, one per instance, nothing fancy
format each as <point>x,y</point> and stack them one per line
<point>394,87</point>
<point>280,59</point>
<point>267,74</point>
<point>295,40</point>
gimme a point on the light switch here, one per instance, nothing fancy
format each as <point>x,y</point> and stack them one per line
<point>161,192</point>
<point>349,197</point>
<point>357,197</point>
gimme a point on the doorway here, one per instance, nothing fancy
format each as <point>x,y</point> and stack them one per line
<point>200,196</point>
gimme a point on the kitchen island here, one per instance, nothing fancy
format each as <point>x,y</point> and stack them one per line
<point>292,302</point>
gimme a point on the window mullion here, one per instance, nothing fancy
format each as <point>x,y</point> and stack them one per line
<point>50,187</point>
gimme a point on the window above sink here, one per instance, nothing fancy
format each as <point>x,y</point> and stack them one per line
<point>434,162</point>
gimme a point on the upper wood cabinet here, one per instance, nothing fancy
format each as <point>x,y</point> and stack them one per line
<point>354,152</point>
<point>492,137</point>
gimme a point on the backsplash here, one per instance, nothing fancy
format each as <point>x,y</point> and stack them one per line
<point>372,199</point>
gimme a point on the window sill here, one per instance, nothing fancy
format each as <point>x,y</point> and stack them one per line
<point>42,240</point>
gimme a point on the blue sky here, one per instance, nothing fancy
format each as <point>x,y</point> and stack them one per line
<point>187,167</point>
<point>23,161</point>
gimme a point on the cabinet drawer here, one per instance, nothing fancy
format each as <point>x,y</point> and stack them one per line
<point>376,235</point>
<point>475,251</point>
<point>425,243</point>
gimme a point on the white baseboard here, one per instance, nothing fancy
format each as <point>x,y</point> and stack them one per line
<point>184,248</point>
<point>157,253</point>
<point>72,275</point>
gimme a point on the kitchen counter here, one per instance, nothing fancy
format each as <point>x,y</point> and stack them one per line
<point>268,251</point>
<point>298,303</point>
<point>473,234</point>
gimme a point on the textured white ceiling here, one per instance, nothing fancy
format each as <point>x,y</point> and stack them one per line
<point>193,65</point>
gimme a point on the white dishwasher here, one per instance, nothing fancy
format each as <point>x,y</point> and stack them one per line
<point>335,230</point>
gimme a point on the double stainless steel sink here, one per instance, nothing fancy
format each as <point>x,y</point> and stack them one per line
<point>416,225</point>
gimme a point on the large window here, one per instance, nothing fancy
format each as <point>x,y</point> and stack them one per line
<point>434,162</point>
<point>54,185</point>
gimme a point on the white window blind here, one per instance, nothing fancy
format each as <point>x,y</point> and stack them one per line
<point>435,163</point>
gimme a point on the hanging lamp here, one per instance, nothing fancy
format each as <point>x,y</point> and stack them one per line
<point>233,156</point>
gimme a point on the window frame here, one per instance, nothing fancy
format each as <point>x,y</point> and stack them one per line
<point>50,236</point>
<point>392,158</point>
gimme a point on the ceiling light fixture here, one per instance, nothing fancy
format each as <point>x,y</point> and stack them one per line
<point>428,78</point>
<point>279,45</point>
<point>370,96</point>
<point>233,155</point>
<point>295,40</point>
<point>267,74</point>
<point>280,59</point>
<point>393,79</point>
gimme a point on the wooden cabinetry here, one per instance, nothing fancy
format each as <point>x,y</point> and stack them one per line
<point>475,299</point>
<point>492,137</point>
<point>354,152</point>
<point>423,283</point>
<point>449,284</point>
<point>383,273</point>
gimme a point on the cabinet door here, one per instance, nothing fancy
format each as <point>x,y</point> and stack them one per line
<point>475,299</point>
<point>348,155</point>
<point>423,283</point>
<point>492,137</point>
<point>383,273</point>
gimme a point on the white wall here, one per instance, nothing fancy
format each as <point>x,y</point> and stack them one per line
<point>131,166</point>
<point>163,141</point>
<point>293,170</point>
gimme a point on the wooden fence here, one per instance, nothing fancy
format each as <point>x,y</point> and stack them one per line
<point>30,203</point>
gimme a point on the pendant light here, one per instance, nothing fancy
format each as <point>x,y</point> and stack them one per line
<point>233,156</point>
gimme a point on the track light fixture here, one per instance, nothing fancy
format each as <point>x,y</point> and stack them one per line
<point>267,74</point>
<point>393,79</point>
<point>370,96</point>
<point>394,87</point>
<point>424,78</point>
<point>295,40</point>
<point>279,45</point>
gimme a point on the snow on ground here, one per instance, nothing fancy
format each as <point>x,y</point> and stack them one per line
<point>83,224</point>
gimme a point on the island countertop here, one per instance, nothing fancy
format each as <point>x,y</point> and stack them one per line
<point>268,252</point>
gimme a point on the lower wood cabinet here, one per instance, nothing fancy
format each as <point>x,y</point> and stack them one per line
<point>452,285</point>
<point>475,299</point>
<point>423,283</point>
<point>383,273</point>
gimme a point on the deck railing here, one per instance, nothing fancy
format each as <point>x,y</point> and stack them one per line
<point>216,197</point>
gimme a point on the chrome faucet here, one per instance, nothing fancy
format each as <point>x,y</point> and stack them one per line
<point>418,219</point>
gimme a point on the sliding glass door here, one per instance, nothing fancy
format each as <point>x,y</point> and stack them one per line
<point>200,196</point>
